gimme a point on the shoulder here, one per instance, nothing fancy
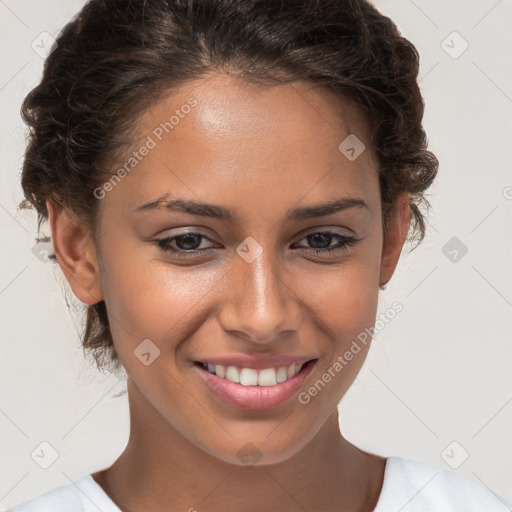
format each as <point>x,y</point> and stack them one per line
<point>83,495</point>
<point>63,498</point>
<point>412,486</point>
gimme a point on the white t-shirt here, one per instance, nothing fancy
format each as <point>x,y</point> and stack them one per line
<point>408,486</point>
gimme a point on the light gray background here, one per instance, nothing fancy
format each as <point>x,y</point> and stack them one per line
<point>438,373</point>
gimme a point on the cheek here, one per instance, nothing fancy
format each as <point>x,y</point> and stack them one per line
<point>345,297</point>
<point>345,304</point>
<point>148,298</point>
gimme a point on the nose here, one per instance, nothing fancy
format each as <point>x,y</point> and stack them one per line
<point>260,304</point>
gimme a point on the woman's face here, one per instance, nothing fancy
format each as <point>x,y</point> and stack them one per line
<point>259,282</point>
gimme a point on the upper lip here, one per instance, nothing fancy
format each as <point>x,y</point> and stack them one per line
<point>256,362</point>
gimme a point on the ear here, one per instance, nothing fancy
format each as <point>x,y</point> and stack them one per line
<point>398,226</point>
<point>76,253</point>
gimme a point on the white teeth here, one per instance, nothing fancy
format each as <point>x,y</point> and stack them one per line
<point>232,374</point>
<point>250,377</point>
<point>267,377</point>
<point>281,374</point>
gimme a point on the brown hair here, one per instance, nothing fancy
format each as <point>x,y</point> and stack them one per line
<point>116,58</point>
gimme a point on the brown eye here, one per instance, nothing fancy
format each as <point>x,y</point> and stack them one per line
<point>186,244</point>
<point>321,242</point>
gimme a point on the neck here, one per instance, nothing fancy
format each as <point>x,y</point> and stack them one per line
<point>161,470</point>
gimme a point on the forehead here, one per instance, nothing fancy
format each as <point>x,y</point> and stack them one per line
<point>222,133</point>
<point>232,109</point>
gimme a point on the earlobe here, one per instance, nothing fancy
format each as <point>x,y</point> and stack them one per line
<point>398,227</point>
<point>76,253</point>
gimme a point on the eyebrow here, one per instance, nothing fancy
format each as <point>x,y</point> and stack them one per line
<point>222,213</point>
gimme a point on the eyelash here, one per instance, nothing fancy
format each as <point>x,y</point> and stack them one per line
<point>164,244</point>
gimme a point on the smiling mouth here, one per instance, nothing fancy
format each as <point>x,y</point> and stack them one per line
<point>250,377</point>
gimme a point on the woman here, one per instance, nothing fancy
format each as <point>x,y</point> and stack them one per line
<point>228,184</point>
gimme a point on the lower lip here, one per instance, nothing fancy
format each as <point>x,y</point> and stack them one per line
<point>255,397</point>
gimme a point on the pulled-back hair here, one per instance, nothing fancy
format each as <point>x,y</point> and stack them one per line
<point>116,58</point>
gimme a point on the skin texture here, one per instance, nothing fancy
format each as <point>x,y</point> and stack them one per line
<point>260,151</point>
